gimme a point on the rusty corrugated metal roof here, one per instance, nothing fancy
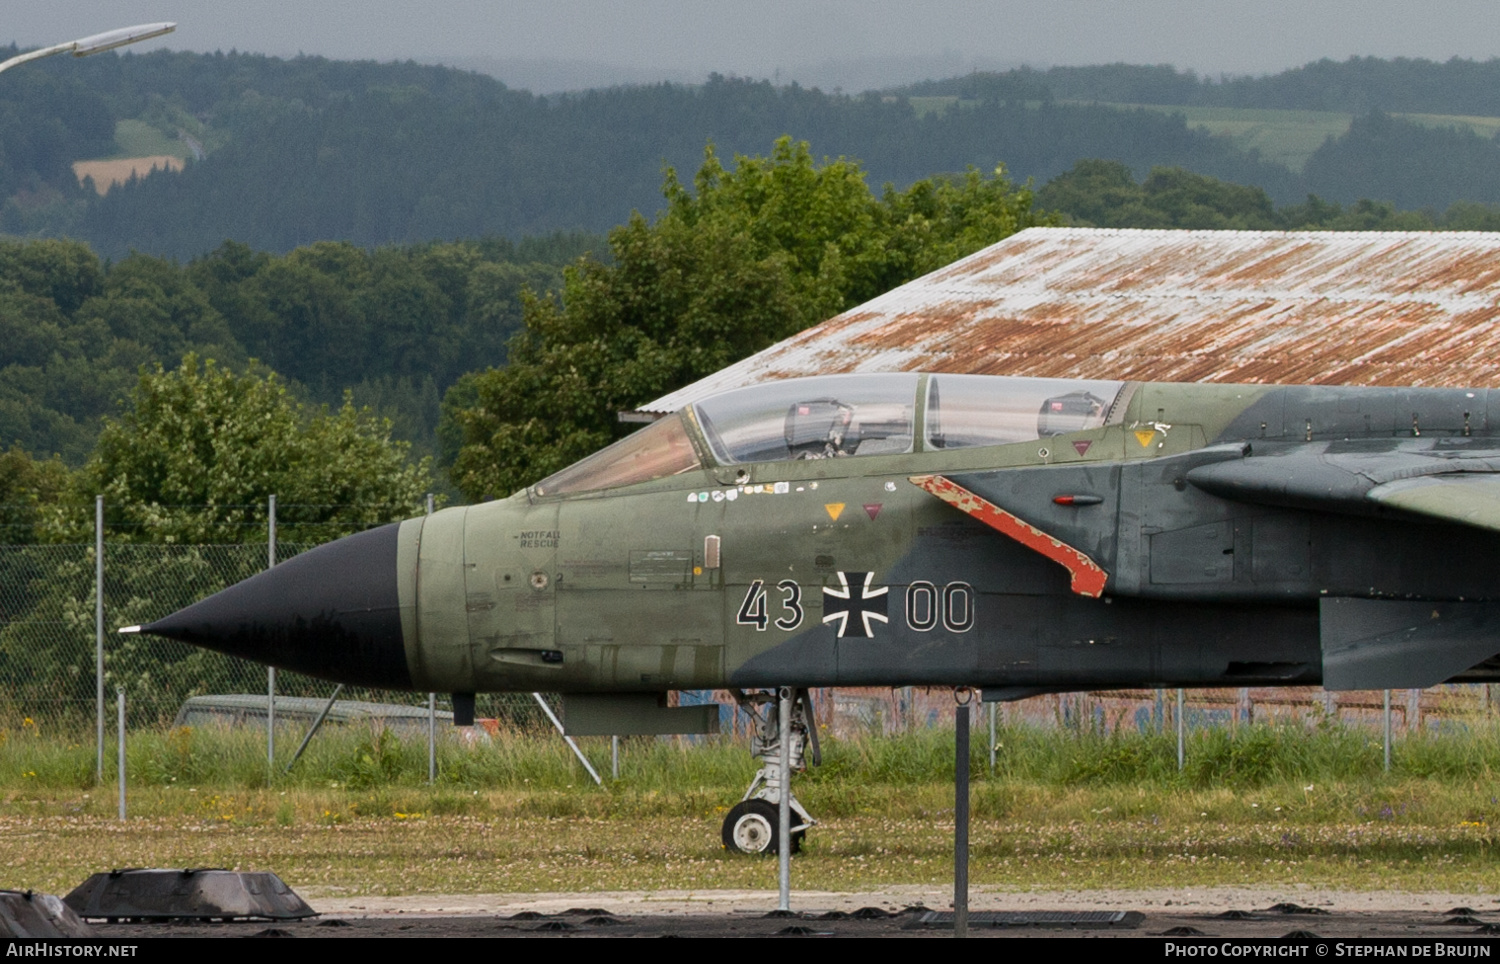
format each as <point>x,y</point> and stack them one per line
<point>1366,308</point>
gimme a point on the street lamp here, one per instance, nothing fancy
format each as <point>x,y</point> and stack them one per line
<point>98,43</point>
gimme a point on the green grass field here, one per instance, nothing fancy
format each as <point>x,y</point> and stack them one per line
<point>1281,136</point>
<point>1063,809</point>
<point>1291,136</point>
<point>136,138</point>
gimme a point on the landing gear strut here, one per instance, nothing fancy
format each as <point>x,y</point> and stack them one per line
<point>752,824</point>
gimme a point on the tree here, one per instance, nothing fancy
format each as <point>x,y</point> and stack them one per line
<point>748,257</point>
<point>199,450</point>
<point>1097,193</point>
<point>26,486</point>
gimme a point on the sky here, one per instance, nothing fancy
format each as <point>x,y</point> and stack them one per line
<point>849,44</point>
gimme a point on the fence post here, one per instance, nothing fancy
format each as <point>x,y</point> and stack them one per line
<point>785,696</point>
<point>431,738</point>
<point>271,670</point>
<point>992,736</point>
<point>1386,715</point>
<point>120,700</point>
<point>99,636</point>
<point>1181,731</point>
<point>431,712</point>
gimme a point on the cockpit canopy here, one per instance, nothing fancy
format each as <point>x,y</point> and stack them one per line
<point>968,410</point>
<point>811,418</point>
<point>842,416</point>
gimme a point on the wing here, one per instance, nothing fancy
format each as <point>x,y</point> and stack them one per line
<point>1467,499</point>
<point>1425,478</point>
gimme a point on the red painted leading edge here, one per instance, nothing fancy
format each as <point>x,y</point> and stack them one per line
<point>1087,578</point>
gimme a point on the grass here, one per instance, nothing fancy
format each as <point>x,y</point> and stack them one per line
<point>1282,136</point>
<point>1286,137</point>
<point>1269,804</point>
<point>136,138</point>
<point>1290,137</point>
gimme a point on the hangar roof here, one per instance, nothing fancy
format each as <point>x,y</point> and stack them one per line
<point>1351,308</point>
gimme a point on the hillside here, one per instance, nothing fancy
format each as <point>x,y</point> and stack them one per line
<point>282,153</point>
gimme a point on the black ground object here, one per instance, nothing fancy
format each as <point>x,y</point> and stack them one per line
<point>1050,919</point>
<point>1237,915</point>
<point>1287,907</point>
<point>752,827</point>
<point>25,913</point>
<point>187,894</point>
<point>1182,931</point>
<point>1301,936</point>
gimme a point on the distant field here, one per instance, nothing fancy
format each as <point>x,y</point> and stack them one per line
<point>1291,136</point>
<point>927,105</point>
<point>1483,126</point>
<point>142,149</point>
<point>1281,136</point>
<point>138,139</point>
<point>107,174</point>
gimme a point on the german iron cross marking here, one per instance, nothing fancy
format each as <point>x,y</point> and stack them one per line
<point>854,606</point>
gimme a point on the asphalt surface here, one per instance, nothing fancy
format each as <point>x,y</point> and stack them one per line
<point>1234,914</point>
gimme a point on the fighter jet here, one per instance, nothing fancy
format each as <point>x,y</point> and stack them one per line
<point>1020,535</point>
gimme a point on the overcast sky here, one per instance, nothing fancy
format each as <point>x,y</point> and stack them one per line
<point>825,42</point>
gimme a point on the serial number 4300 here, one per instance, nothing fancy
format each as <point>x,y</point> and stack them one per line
<point>926,606</point>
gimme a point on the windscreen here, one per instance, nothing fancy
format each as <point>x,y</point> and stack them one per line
<point>834,416</point>
<point>655,452</point>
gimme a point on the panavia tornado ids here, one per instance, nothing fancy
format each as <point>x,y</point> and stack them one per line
<point>1020,535</point>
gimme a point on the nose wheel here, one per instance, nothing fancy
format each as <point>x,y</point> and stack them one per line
<point>752,828</point>
<point>752,825</point>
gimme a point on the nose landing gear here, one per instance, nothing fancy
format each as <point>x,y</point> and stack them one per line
<point>751,827</point>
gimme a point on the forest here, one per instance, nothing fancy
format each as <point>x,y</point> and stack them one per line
<point>395,326</point>
<point>285,153</point>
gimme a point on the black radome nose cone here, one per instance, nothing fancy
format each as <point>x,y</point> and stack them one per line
<point>331,612</point>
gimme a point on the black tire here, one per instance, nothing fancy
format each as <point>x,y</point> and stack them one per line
<point>750,828</point>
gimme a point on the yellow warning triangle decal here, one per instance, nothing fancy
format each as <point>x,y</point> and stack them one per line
<point>834,508</point>
<point>1144,437</point>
